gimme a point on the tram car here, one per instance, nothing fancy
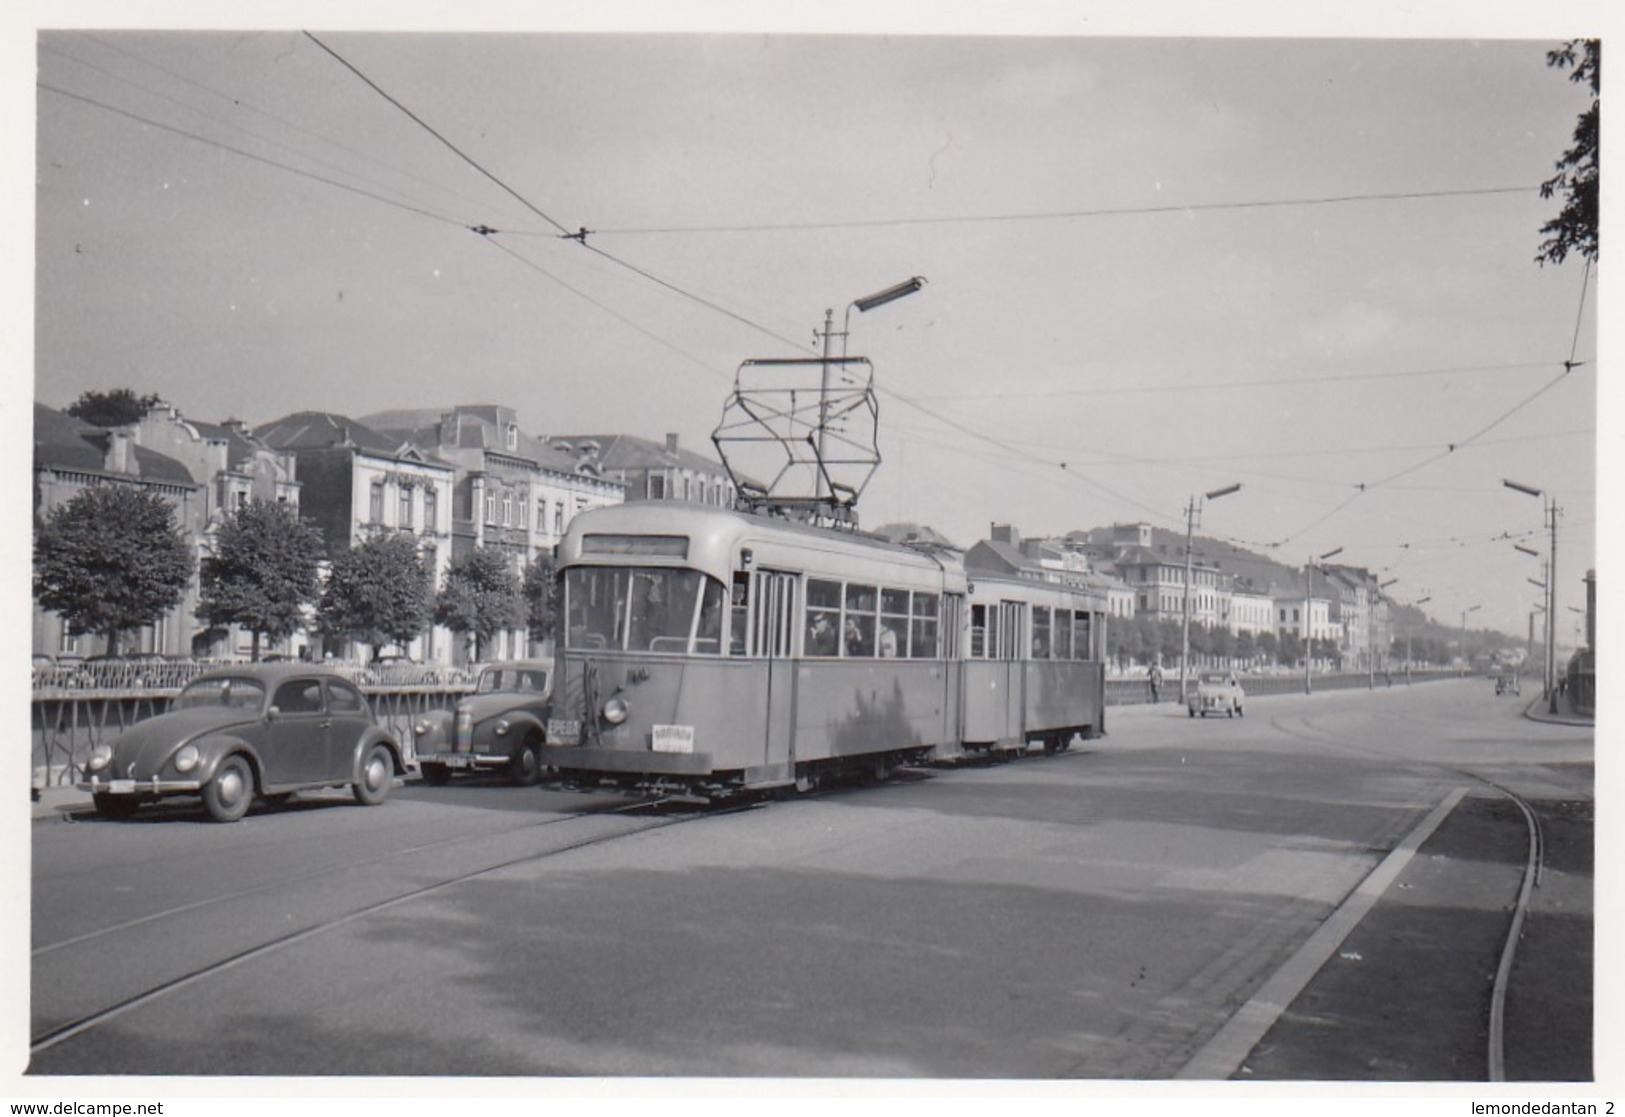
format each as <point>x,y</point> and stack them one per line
<point>713,651</point>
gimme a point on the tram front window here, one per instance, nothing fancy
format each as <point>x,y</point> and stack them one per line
<point>642,610</point>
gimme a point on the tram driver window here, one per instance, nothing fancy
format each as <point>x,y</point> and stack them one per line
<point>1040,633</point>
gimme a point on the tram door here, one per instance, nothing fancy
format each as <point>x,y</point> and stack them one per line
<point>773,624</point>
<point>993,675</point>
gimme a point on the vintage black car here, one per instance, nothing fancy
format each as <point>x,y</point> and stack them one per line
<point>500,726</point>
<point>237,732</point>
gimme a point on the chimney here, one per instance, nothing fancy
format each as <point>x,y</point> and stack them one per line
<point>1005,533</point>
<point>671,444</point>
<point>119,458</point>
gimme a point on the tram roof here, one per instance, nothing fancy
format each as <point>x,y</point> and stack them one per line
<point>711,529</point>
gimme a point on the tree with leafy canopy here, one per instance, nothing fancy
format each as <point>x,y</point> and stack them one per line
<point>111,409</point>
<point>541,597</point>
<point>482,597</point>
<point>109,560</point>
<point>378,592</point>
<point>263,572</point>
<point>1578,177</point>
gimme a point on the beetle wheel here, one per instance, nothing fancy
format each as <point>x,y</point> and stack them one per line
<point>525,767</point>
<point>115,806</point>
<point>228,795</point>
<point>377,773</point>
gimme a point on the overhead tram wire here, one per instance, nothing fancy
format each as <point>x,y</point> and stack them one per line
<point>580,236</point>
<point>1054,215</point>
<point>208,141</point>
<point>1568,366</point>
<point>1229,385</point>
<point>619,317</point>
<point>247,106</point>
<point>420,122</point>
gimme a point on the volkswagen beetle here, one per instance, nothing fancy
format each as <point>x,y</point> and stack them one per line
<point>1216,693</point>
<point>500,726</point>
<point>237,732</point>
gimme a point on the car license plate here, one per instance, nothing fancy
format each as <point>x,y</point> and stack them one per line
<point>121,787</point>
<point>455,761</point>
<point>563,731</point>
<point>672,738</point>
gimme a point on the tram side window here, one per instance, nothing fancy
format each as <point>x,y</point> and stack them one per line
<point>823,617</point>
<point>858,627</point>
<point>739,615</point>
<point>893,639</point>
<point>1080,635</point>
<point>1040,632</point>
<point>985,642</point>
<point>922,639</point>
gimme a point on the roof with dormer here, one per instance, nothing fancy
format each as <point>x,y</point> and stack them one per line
<point>65,443</point>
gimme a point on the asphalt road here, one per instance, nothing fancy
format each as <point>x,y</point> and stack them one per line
<point>1104,914</point>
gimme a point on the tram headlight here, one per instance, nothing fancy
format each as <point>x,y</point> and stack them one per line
<point>616,710</point>
<point>100,757</point>
<point>187,758</point>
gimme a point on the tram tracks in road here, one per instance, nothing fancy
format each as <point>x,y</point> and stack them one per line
<point>1495,1056</point>
<point>652,812</point>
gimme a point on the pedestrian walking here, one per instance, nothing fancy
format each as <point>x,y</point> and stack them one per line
<point>1156,682</point>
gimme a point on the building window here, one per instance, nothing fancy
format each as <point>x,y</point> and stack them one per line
<point>558,518</point>
<point>507,509</point>
<point>375,507</point>
<point>513,436</point>
<point>490,506</point>
<point>657,486</point>
<point>431,508</point>
<point>405,517</point>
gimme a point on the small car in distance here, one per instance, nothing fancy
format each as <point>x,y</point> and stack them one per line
<point>237,732</point>
<point>502,725</point>
<point>1217,692</point>
<point>1506,683</point>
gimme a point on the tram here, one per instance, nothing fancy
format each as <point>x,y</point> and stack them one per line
<point>714,651</point>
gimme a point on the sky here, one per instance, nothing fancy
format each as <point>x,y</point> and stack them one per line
<point>1157,263</point>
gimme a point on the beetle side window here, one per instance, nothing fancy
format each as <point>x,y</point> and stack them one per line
<point>303,696</point>
<point>343,698</point>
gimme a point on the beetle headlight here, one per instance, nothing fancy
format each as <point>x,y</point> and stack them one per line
<point>500,728</point>
<point>187,758</point>
<point>616,709</point>
<point>100,757</point>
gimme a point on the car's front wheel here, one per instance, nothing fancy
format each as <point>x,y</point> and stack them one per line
<point>377,773</point>
<point>525,766</point>
<point>228,795</point>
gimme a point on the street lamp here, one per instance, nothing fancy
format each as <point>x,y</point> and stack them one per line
<point>1192,513</point>
<point>1408,658</point>
<point>1464,660</point>
<point>1371,637</point>
<point>1308,604</point>
<point>1551,512</point>
<point>864,304</point>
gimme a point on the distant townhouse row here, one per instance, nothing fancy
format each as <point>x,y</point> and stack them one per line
<point>468,477</point>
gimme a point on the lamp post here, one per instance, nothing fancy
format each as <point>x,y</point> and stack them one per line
<point>1408,659</point>
<point>1371,636</point>
<point>1464,660</point>
<point>1551,512</point>
<point>864,305</point>
<point>1192,512</point>
<point>1308,605</point>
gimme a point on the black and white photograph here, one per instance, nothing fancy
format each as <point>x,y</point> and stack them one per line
<point>924,552</point>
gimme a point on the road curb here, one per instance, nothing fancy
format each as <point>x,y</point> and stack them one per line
<point>1224,1054</point>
